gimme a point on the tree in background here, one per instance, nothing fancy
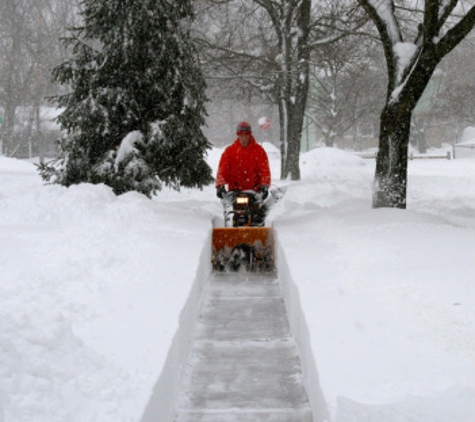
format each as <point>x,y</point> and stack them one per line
<point>14,67</point>
<point>345,88</point>
<point>134,114</point>
<point>266,45</point>
<point>435,30</point>
<point>457,90</point>
<point>29,48</point>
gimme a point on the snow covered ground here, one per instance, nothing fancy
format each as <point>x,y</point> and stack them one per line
<point>92,289</point>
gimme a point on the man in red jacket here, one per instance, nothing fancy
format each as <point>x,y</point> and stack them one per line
<point>244,165</point>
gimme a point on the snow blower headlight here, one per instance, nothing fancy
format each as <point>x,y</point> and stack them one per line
<point>242,200</point>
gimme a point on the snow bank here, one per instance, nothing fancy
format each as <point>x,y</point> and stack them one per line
<point>468,135</point>
<point>91,293</point>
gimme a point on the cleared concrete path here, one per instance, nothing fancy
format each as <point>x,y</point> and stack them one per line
<point>244,364</point>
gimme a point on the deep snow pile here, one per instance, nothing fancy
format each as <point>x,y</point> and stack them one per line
<point>92,286</point>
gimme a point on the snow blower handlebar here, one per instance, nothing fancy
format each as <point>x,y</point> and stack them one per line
<point>228,197</point>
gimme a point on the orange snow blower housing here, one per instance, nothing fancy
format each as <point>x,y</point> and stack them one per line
<point>244,242</point>
<point>251,248</point>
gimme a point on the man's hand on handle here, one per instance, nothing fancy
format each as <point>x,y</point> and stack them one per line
<point>264,191</point>
<point>220,191</point>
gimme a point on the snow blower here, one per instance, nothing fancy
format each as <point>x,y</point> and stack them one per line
<point>244,243</point>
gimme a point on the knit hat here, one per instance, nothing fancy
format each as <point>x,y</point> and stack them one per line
<point>243,128</point>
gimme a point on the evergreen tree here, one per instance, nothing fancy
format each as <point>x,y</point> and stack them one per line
<point>134,114</point>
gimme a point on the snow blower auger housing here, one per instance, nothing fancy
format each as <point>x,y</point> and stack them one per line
<point>249,248</point>
<point>244,243</point>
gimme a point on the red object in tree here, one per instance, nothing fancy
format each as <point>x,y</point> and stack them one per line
<point>264,123</point>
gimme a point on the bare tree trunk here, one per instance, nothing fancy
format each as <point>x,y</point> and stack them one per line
<point>283,137</point>
<point>7,128</point>
<point>292,165</point>
<point>296,94</point>
<point>390,183</point>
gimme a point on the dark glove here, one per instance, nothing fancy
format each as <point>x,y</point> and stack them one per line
<point>264,191</point>
<point>220,191</point>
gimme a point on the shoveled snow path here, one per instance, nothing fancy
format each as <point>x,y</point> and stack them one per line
<point>244,363</point>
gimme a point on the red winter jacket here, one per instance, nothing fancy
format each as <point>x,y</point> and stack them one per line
<point>243,168</point>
